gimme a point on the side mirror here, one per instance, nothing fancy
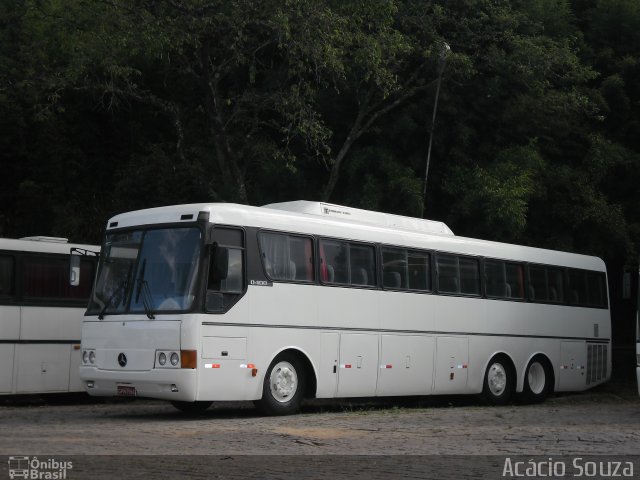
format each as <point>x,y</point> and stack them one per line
<point>74,270</point>
<point>219,264</point>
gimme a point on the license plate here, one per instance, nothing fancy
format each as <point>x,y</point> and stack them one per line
<point>126,391</point>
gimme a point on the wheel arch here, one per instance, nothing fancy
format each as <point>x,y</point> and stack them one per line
<point>311,375</point>
<point>509,362</point>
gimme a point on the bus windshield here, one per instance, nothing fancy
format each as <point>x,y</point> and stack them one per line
<point>147,271</point>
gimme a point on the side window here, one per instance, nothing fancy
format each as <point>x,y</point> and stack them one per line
<point>555,280</point>
<point>448,275</point>
<point>395,268</point>
<point>469,276</point>
<point>363,270</point>
<point>346,263</point>
<point>334,263</point>
<point>538,291</point>
<point>46,278</point>
<point>514,275</point>
<point>7,276</point>
<point>287,257</point>
<point>577,287</point>
<point>458,275</point>
<point>419,271</point>
<point>597,292</point>
<point>504,279</point>
<point>225,280</point>
<point>495,279</point>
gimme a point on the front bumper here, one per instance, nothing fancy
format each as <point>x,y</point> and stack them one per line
<point>156,383</point>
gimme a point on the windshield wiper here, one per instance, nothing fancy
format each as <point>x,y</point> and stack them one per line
<point>121,288</point>
<point>143,288</point>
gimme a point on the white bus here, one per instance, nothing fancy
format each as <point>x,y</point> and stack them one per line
<point>41,316</point>
<point>208,302</point>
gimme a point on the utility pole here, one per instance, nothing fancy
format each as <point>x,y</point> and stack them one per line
<point>445,49</point>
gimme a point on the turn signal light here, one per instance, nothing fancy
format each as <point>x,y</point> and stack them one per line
<point>188,358</point>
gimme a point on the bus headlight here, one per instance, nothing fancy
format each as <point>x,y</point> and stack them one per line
<point>174,359</point>
<point>88,357</point>
<point>167,359</point>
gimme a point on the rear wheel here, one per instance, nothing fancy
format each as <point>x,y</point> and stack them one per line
<point>283,386</point>
<point>537,381</point>
<point>192,407</point>
<point>499,381</point>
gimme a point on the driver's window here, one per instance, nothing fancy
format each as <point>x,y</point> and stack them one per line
<point>225,282</point>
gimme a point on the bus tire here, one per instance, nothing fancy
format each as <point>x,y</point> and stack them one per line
<point>192,408</point>
<point>499,381</point>
<point>537,381</point>
<point>283,386</point>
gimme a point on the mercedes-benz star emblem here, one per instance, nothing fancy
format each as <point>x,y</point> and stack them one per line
<point>122,360</point>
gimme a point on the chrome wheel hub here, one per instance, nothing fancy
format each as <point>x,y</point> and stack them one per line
<point>497,379</point>
<point>283,382</point>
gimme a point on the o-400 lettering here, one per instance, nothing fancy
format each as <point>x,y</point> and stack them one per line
<point>260,283</point>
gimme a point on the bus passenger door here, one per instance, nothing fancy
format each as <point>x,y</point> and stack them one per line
<point>358,368</point>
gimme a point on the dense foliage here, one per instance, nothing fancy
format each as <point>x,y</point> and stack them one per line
<point>111,105</point>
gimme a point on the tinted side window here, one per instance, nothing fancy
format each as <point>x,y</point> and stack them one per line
<point>597,291</point>
<point>577,287</point>
<point>406,269</point>
<point>287,257</point>
<point>7,276</point>
<point>555,281</point>
<point>346,263</point>
<point>538,290</point>
<point>48,278</point>
<point>515,280</point>
<point>458,275</point>
<point>225,282</point>
<point>495,279</point>
<point>419,271</point>
<point>394,268</point>
<point>448,275</point>
<point>363,271</point>
<point>334,264</point>
<point>469,276</point>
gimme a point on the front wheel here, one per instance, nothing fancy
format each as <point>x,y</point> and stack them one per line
<point>499,381</point>
<point>192,408</point>
<point>283,386</point>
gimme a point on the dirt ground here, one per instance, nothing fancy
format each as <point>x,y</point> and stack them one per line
<point>605,422</point>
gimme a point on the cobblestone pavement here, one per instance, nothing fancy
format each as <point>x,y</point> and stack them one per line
<point>590,423</point>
